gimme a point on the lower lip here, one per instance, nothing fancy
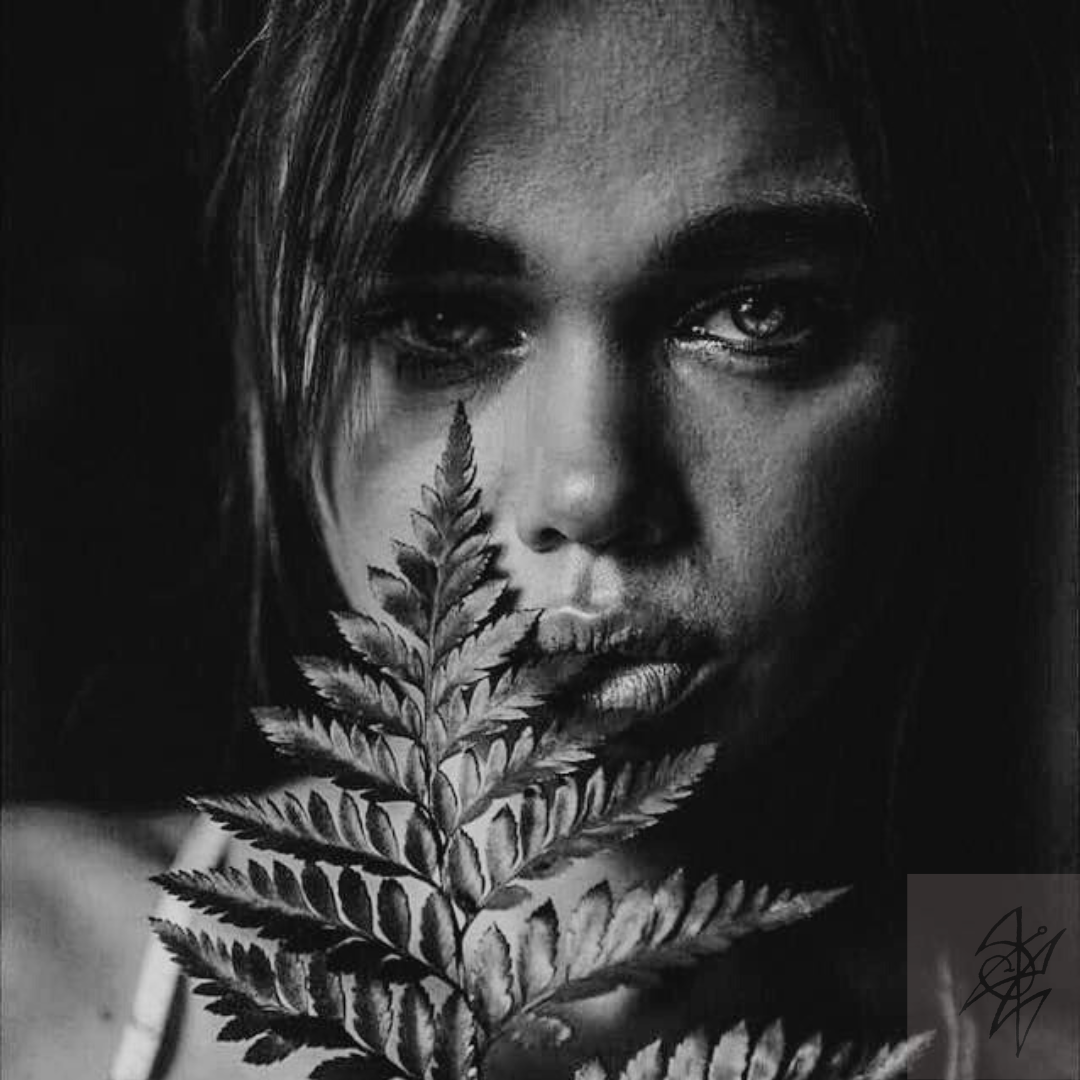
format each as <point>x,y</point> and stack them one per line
<point>635,691</point>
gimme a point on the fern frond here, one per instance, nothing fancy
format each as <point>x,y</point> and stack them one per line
<point>446,589</point>
<point>400,599</point>
<point>315,831</point>
<point>360,698</point>
<point>473,556</point>
<point>287,1003</point>
<point>581,815</point>
<point>474,657</point>
<point>513,764</point>
<point>538,952</point>
<point>455,1040</point>
<point>353,1067</point>
<point>491,982</point>
<point>891,1061</point>
<point>417,1030</point>
<point>451,522</point>
<point>275,903</point>
<point>464,877</point>
<point>513,696</point>
<point>452,776</point>
<point>649,932</point>
<point>467,616</point>
<point>312,913</point>
<point>455,475</point>
<point>417,569</point>
<point>354,757</point>
<point>381,648</point>
<point>735,1057</point>
<point>404,1026</point>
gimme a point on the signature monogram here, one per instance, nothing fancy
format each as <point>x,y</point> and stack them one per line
<point>1009,975</point>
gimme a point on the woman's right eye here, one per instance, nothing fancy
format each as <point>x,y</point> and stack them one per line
<point>440,342</point>
<point>446,330</point>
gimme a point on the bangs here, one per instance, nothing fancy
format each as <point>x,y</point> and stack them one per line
<point>350,113</point>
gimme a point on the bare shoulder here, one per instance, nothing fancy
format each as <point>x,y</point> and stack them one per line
<point>75,902</point>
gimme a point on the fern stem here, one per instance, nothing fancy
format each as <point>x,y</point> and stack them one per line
<point>441,839</point>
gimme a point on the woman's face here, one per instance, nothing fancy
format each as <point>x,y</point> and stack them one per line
<point>648,273</point>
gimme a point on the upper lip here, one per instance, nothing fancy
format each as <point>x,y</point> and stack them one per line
<point>621,669</point>
<point>609,635</point>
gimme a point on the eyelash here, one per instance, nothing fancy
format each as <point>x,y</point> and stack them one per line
<point>816,313</point>
<point>432,366</point>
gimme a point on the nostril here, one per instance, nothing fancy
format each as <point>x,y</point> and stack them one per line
<point>629,526</point>
<point>546,539</point>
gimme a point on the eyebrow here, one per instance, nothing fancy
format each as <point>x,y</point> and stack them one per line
<point>763,232</point>
<point>756,232</point>
<point>428,246</point>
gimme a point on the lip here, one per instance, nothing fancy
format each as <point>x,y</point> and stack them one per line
<point>571,631</point>
<point>632,691</point>
<point>618,671</point>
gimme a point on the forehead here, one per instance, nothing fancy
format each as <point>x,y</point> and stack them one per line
<point>621,120</point>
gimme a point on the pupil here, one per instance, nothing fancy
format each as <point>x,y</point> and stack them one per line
<point>759,317</point>
<point>442,328</point>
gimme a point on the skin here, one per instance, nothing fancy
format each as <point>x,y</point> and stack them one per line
<point>643,452</point>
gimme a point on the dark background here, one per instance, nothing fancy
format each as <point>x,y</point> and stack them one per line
<point>115,386</point>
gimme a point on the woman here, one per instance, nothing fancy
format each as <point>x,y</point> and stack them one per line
<point>737,329</point>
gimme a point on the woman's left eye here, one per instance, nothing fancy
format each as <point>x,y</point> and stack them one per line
<point>767,321</point>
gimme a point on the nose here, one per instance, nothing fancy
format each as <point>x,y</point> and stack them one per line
<point>592,473</point>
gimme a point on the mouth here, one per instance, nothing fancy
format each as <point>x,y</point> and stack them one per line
<point>616,672</point>
<point>627,693</point>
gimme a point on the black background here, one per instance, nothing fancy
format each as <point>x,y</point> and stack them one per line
<point>115,382</point>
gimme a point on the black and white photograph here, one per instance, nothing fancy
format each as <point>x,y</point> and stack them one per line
<point>540,540</point>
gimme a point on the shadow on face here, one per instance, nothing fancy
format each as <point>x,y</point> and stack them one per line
<point>649,272</point>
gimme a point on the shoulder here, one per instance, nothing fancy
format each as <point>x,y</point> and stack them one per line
<point>75,899</point>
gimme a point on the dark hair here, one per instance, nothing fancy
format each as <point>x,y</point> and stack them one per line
<point>326,121</point>
<point>323,123</point>
<point>964,129</point>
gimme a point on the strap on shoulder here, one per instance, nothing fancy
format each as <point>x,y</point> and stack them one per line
<point>159,975</point>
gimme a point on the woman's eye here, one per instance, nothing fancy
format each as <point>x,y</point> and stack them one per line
<point>772,322</point>
<point>450,329</point>
<point>443,343</point>
<point>446,330</point>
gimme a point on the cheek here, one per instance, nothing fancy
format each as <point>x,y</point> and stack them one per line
<point>388,452</point>
<point>782,482</point>
<point>376,472</point>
